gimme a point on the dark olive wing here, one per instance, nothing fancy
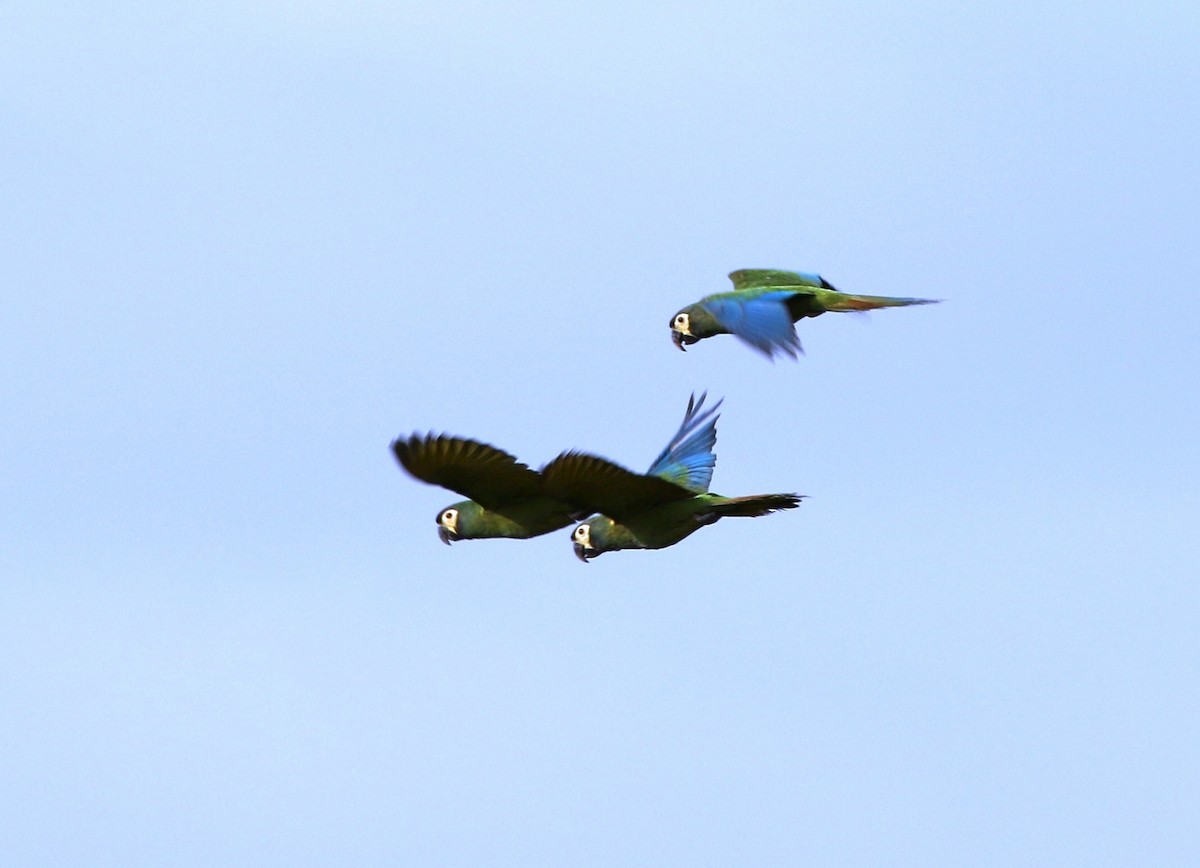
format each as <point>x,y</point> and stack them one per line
<point>487,475</point>
<point>598,485</point>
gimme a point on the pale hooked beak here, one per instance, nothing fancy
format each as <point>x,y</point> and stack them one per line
<point>582,538</point>
<point>680,339</point>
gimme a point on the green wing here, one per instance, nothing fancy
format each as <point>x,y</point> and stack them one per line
<point>598,485</point>
<point>490,477</point>
<point>758,278</point>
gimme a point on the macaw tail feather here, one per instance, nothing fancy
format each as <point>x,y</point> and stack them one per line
<point>754,505</point>
<point>840,301</point>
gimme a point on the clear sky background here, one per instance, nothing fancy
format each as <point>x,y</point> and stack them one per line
<point>248,244</point>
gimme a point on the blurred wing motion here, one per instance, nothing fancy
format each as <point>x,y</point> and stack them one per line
<point>763,321</point>
<point>487,475</point>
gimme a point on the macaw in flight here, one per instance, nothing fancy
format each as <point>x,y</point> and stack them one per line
<point>623,525</point>
<point>508,499</point>
<point>763,306</point>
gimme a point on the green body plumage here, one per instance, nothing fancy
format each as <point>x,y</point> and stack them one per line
<point>748,309</point>
<point>670,523</point>
<point>468,520</point>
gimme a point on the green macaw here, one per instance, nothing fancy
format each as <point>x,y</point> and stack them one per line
<point>763,306</point>
<point>669,523</point>
<point>508,499</point>
<point>506,496</point>
<point>657,525</point>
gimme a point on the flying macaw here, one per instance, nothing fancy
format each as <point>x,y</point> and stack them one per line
<point>508,499</point>
<point>763,306</point>
<point>625,525</point>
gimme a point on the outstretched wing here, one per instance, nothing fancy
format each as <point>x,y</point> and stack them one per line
<point>756,278</point>
<point>487,475</point>
<point>598,485</point>
<point>688,459</point>
<point>761,320</point>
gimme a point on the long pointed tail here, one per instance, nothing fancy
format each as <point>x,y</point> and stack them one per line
<point>754,505</point>
<point>839,301</point>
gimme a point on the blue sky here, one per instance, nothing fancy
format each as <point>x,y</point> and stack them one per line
<point>251,244</point>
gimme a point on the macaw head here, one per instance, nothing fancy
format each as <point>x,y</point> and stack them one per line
<point>591,537</point>
<point>692,324</point>
<point>457,521</point>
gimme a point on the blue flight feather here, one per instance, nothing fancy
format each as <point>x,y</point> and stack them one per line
<point>763,321</point>
<point>688,459</point>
